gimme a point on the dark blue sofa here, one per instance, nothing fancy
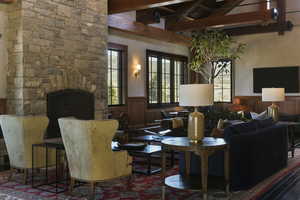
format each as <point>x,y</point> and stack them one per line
<point>258,149</point>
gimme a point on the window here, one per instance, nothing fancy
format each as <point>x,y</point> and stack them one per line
<point>223,82</point>
<point>165,73</point>
<point>115,74</point>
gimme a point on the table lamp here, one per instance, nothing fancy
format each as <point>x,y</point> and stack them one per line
<point>196,95</point>
<point>273,95</point>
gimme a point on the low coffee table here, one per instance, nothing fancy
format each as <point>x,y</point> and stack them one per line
<point>147,153</point>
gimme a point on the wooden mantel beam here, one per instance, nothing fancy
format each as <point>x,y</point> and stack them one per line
<point>234,19</point>
<point>117,22</point>
<point>119,6</point>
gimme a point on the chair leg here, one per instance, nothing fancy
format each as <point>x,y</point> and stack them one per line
<point>25,176</point>
<point>129,182</point>
<point>10,175</point>
<point>71,187</point>
<point>92,191</point>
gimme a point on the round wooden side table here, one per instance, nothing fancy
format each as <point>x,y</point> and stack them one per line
<point>204,149</point>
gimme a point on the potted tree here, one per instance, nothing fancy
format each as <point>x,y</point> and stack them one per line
<point>208,49</point>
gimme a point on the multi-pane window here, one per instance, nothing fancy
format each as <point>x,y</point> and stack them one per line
<point>115,77</point>
<point>223,82</point>
<point>153,80</point>
<point>165,73</point>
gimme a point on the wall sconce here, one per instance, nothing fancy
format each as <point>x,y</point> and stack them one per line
<point>137,70</point>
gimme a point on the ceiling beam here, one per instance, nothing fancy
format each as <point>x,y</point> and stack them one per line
<point>182,13</point>
<point>234,19</point>
<point>247,30</point>
<point>7,1</point>
<point>119,6</point>
<point>117,22</point>
<point>148,16</point>
<point>281,4</point>
<point>226,8</point>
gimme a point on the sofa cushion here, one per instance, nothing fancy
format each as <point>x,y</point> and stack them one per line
<point>240,129</point>
<point>265,122</point>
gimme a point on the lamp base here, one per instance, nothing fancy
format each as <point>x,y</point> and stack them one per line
<point>273,111</point>
<point>196,127</point>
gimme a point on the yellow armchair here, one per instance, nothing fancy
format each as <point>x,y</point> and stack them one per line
<point>89,151</point>
<point>20,133</point>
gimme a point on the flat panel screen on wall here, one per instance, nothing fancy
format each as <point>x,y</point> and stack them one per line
<point>277,77</point>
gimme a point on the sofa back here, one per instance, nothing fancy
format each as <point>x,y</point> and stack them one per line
<point>247,128</point>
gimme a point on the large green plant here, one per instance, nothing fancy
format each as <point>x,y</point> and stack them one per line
<point>210,47</point>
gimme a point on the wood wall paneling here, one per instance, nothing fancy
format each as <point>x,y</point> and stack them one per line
<point>137,111</point>
<point>2,106</point>
<point>290,106</point>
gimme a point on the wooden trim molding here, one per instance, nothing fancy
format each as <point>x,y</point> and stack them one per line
<point>2,106</point>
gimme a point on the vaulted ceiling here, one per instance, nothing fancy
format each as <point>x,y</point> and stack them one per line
<point>195,15</point>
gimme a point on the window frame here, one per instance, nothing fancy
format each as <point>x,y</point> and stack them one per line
<point>173,57</point>
<point>231,83</point>
<point>123,70</point>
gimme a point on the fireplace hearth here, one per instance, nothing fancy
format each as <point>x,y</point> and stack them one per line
<point>68,103</point>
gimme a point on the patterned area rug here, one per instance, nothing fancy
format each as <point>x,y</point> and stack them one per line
<point>142,188</point>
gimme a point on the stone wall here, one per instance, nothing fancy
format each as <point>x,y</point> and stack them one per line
<point>55,45</point>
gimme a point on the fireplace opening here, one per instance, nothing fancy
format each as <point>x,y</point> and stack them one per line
<point>68,103</point>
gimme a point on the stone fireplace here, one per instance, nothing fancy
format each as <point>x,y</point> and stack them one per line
<point>55,45</point>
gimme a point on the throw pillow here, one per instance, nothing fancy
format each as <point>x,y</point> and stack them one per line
<point>261,116</point>
<point>177,123</point>
<point>217,133</point>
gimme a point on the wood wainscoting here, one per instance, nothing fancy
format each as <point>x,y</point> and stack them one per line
<point>2,106</point>
<point>137,111</point>
<point>291,105</point>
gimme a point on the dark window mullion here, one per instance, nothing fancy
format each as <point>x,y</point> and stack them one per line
<point>120,69</point>
<point>172,79</point>
<point>159,79</point>
<point>111,85</point>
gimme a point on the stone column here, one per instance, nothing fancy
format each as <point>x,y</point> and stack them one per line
<point>55,45</point>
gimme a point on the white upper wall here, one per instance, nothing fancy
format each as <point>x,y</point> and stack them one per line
<point>268,50</point>
<point>137,47</point>
<point>3,51</point>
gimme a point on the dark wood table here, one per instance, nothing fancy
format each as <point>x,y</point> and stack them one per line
<point>147,153</point>
<point>291,129</point>
<point>207,147</point>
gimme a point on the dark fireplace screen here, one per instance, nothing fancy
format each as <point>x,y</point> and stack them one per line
<point>68,103</point>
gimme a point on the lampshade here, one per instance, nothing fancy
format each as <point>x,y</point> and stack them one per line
<point>273,94</point>
<point>196,95</point>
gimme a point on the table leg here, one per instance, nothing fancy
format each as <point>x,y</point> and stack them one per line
<point>32,170</point>
<point>226,171</point>
<point>163,172</point>
<point>149,164</point>
<point>172,158</point>
<point>204,173</point>
<point>187,162</point>
<point>293,128</point>
<point>163,163</point>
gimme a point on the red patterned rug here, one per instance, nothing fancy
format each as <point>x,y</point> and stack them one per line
<point>142,188</point>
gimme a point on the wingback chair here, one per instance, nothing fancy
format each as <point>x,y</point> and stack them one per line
<point>89,152</point>
<point>19,134</point>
